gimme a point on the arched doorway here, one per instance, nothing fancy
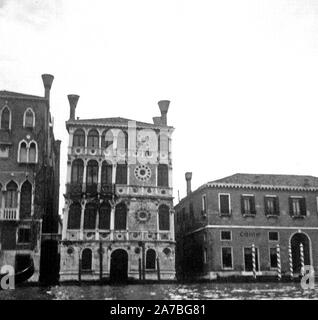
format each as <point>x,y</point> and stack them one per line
<point>119,266</point>
<point>295,242</point>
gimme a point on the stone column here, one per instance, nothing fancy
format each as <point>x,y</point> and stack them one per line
<point>112,221</point>
<point>65,220</point>
<point>172,212</point>
<point>84,175</point>
<point>18,205</point>
<point>83,204</point>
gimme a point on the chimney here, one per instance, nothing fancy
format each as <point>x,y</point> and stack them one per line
<point>47,81</point>
<point>156,121</point>
<point>164,106</point>
<point>188,177</point>
<point>73,99</point>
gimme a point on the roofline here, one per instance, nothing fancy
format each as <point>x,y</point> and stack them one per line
<point>35,98</point>
<point>248,186</point>
<point>90,124</point>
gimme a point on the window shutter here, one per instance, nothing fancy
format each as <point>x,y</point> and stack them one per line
<point>242,205</point>
<point>303,208</point>
<point>291,206</point>
<point>266,206</point>
<point>252,203</point>
<point>276,203</point>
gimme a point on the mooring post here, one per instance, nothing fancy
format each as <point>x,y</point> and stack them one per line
<point>100,261</point>
<point>158,268</point>
<point>139,268</point>
<point>143,263</point>
<point>80,271</point>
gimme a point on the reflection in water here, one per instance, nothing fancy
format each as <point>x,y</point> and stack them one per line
<point>165,291</point>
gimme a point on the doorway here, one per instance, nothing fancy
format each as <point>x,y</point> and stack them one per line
<point>119,266</point>
<point>295,242</point>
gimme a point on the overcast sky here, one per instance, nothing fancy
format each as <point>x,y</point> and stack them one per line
<point>242,76</point>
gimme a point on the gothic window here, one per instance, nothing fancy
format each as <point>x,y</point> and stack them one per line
<point>87,259</point>
<point>74,216</point>
<point>120,217</point>
<point>33,152</point>
<point>104,216</point>
<point>79,138</point>
<point>121,174</point>
<point>5,118</point>
<point>26,200</point>
<point>107,139</point>
<point>122,142</point>
<point>163,180</point>
<point>11,195</point>
<point>164,218</point>
<point>107,173</point>
<point>23,152</point>
<point>77,171</point>
<point>151,259</point>
<point>29,118</point>
<point>93,139</point>
<point>90,216</point>
<point>92,172</point>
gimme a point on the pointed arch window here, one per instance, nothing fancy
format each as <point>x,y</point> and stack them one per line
<point>23,152</point>
<point>87,260</point>
<point>121,217</point>
<point>26,200</point>
<point>107,139</point>
<point>74,216</point>
<point>151,259</point>
<point>11,198</point>
<point>107,173</point>
<point>92,172</point>
<point>104,216</point>
<point>29,118</point>
<point>93,139</point>
<point>28,152</point>
<point>79,138</point>
<point>5,118</point>
<point>33,152</point>
<point>164,215</point>
<point>90,216</point>
<point>77,171</point>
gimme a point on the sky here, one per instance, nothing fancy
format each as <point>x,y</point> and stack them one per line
<point>242,76</point>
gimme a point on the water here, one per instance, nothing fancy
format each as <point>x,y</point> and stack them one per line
<point>165,291</point>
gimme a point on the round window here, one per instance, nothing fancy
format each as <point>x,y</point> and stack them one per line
<point>142,215</point>
<point>142,172</point>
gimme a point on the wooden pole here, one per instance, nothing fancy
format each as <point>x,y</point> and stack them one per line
<point>279,265</point>
<point>139,265</point>
<point>254,261</point>
<point>158,268</point>
<point>100,261</point>
<point>302,260</point>
<point>290,256</point>
<point>80,271</point>
<point>143,262</point>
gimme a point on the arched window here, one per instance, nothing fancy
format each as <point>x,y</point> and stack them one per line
<point>121,217</point>
<point>122,141</point>
<point>74,216</point>
<point>92,172</point>
<point>90,216</point>
<point>26,200</point>
<point>151,259</point>
<point>104,216</point>
<point>163,179</point>
<point>107,173</point>
<point>107,139</point>
<point>5,119</point>
<point>29,118</point>
<point>23,152</point>
<point>79,138</point>
<point>11,195</point>
<point>87,259</point>
<point>164,218</point>
<point>33,153</point>
<point>77,171</point>
<point>121,174</point>
<point>93,139</point>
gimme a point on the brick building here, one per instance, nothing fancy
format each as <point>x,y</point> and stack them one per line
<point>118,220</point>
<point>29,181</point>
<point>218,224</point>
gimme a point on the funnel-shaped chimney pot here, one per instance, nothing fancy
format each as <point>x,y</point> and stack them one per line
<point>188,177</point>
<point>47,82</point>
<point>164,107</point>
<point>73,99</point>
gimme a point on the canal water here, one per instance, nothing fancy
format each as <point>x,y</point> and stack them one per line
<point>200,291</point>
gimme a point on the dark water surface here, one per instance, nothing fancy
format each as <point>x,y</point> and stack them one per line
<point>200,291</point>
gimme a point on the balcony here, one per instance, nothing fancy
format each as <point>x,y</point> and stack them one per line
<point>74,189</point>
<point>9,214</point>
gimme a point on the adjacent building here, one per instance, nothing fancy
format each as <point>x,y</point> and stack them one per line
<point>118,218</point>
<point>219,225</point>
<point>29,183</point>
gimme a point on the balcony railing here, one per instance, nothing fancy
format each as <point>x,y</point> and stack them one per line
<point>118,235</point>
<point>9,214</point>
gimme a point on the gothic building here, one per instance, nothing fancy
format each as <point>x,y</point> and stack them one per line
<point>245,225</point>
<point>29,182</point>
<point>118,218</point>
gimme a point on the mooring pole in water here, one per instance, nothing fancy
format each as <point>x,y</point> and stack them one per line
<point>100,261</point>
<point>158,268</point>
<point>80,271</point>
<point>254,260</point>
<point>143,262</point>
<point>139,268</point>
<point>302,260</point>
<point>290,256</point>
<point>279,265</point>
